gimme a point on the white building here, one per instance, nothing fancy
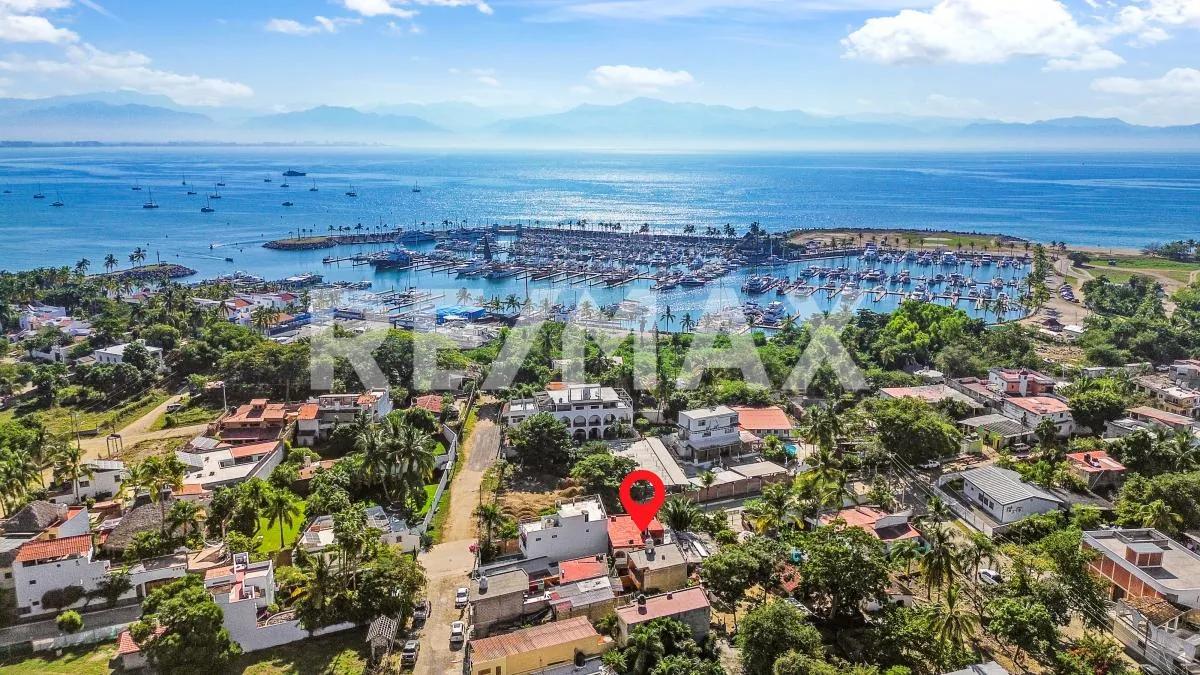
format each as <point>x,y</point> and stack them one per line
<point>228,465</point>
<point>1004,496</point>
<point>1031,410</point>
<point>590,411</point>
<point>45,565</point>
<point>706,429</point>
<point>116,353</point>
<point>578,529</point>
<point>105,481</point>
<point>318,417</point>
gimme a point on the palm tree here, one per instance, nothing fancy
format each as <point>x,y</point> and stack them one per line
<point>667,316</point>
<point>491,518</point>
<point>679,514</point>
<point>648,648</point>
<point>377,466</point>
<point>822,427</point>
<point>412,451</point>
<point>940,561</point>
<point>981,548</point>
<point>81,267</point>
<point>157,475</point>
<point>263,317</point>
<point>1159,515</point>
<point>138,256</point>
<point>110,262</point>
<point>687,323</point>
<point>281,505</point>
<point>463,295</point>
<point>184,515</point>
<point>69,466</point>
<point>773,447</point>
<point>955,622</point>
<point>905,553</point>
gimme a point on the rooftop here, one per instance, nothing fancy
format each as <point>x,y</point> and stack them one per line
<point>666,604</point>
<point>867,518</point>
<point>1180,568</point>
<point>663,557</point>
<point>762,419</point>
<point>430,402</point>
<point>588,567</point>
<point>931,393</point>
<point>997,424</point>
<point>582,593</point>
<point>501,583</point>
<point>1040,405</point>
<point>762,469</point>
<point>707,413</point>
<point>1162,416</point>
<point>623,533</point>
<point>533,639</point>
<point>651,454</point>
<point>42,549</point>
<point>1095,461</point>
<point>1005,486</point>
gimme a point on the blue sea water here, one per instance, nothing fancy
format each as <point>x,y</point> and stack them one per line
<point>1119,200</point>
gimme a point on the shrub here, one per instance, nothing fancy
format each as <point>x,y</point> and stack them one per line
<point>69,621</point>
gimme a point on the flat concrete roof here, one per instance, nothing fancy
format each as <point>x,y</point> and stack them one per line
<point>1180,568</point>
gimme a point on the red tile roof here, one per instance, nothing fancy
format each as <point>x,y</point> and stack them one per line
<point>307,472</point>
<point>762,419</point>
<point>309,411</point>
<point>41,549</point>
<point>1039,405</point>
<point>865,518</point>
<point>1095,461</point>
<point>127,645</point>
<point>667,604</point>
<point>622,533</point>
<point>1168,418</point>
<point>532,639</point>
<point>243,451</point>
<point>580,569</point>
<point>189,489</point>
<point>430,402</point>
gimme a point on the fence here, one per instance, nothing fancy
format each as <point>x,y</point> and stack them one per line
<point>451,436</point>
<point>83,637</point>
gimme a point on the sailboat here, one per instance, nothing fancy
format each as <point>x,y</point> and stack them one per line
<point>38,194</point>
<point>57,200</point>
<point>221,183</point>
<point>351,192</point>
<point>191,192</point>
<point>184,181</point>
<point>416,187</point>
<point>207,208</point>
<point>284,184</point>
<point>314,187</point>
<point>150,204</point>
<point>216,193</point>
<point>267,179</point>
<point>136,187</point>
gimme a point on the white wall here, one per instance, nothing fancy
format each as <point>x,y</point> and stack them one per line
<point>30,583</point>
<point>572,538</point>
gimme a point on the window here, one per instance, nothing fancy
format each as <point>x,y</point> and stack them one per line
<point>32,582</point>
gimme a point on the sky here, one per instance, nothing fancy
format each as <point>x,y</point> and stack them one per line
<point>1019,60</point>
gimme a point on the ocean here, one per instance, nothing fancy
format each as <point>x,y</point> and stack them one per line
<point>1117,200</point>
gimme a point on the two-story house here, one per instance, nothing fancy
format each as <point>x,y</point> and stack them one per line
<point>702,434</point>
<point>590,411</point>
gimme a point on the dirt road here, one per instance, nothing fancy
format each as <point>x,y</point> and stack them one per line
<point>448,565</point>
<point>139,430</point>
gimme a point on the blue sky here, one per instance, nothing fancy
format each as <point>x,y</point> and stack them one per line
<point>1007,59</point>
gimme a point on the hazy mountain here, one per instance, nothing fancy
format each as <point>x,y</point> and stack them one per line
<point>326,123</point>
<point>71,118</point>
<point>457,115</point>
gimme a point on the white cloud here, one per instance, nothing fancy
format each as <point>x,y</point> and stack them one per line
<point>18,23</point>
<point>86,68</point>
<point>1145,18</point>
<point>738,10</point>
<point>638,79</point>
<point>981,32</point>
<point>1177,82</point>
<point>401,8</point>
<point>489,80</point>
<point>320,24</point>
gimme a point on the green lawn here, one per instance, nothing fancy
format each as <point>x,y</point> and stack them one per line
<point>90,660</point>
<point>343,653</point>
<point>270,533</point>
<point>193,412</point>
<point>1117,276</point>
<point>1179,271</point>
<point>430,490</point>
<point>59,420</point>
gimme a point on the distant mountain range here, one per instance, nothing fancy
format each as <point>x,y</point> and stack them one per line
<point>641,123</point>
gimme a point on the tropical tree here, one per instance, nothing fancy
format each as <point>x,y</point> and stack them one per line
<point>822,427</point>
<point>940,562</point>
<point>1159,515</point>
<point>687,323</point>
<point>157,475</point>
<point>184,515</point>
<point>282,507</point>
<point>69,466</point>
<point>110,262</point>
<point>667,317</point>
<point>955,622</point>
<point>679,514</point>
<point>82,265</point>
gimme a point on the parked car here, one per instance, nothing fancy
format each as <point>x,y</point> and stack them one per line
<point>990,577</point>
<point>458,633</point>
<point>930,464</point>
<point>421,612</point>
<point>408,656</point>
<point>460,597</point>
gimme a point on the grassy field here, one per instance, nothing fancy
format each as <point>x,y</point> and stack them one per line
<point>915,239</point>
<point>1179,271</point>
<point>92,660</point>
<point>342,653</point>
<point>139,451</point>
<point>192,412</point>
<point>270,533</point>
<point>1117,276</point>
<point>59,420</point>
<point>430,490</point>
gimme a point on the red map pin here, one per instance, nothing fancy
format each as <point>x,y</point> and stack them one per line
<point>642,512</point>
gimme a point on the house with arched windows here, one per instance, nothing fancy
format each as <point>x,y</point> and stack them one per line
<point>590,411</point>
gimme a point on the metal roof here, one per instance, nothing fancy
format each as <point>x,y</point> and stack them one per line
<point>1004,486</point>
<point>532,639</point>
<point>998,424</point>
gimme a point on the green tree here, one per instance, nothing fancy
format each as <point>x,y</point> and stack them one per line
<point>193,639</point>
<point>679,513</point>
<point>1094,408</point>
<point>601,473</point>
<point>913,430</point>
<point>771,630</point>
<point>1023,623</point>
<point>69,467</point>
<point>184,517</point>
<point>842,567</point>
<point>282,507</point>
<point>956,621</point>
<point>69,621</point>
<point>542,441</point>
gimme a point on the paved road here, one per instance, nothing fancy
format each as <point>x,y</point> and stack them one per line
<point>41,630</point>
<point>448,565</point>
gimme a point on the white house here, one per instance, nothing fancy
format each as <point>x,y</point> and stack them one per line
<point>1004,496</point>
<point>44,565</point>
<point>705,429</point>
<point>318,417</point>
<point>228,465</point>
<point>590,411</point>
<point>1031,410</point>
<point>105,480</point>
<point>578,529</point>
<point>116,353</point>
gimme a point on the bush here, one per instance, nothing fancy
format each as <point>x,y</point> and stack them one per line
<point>69,621</point>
